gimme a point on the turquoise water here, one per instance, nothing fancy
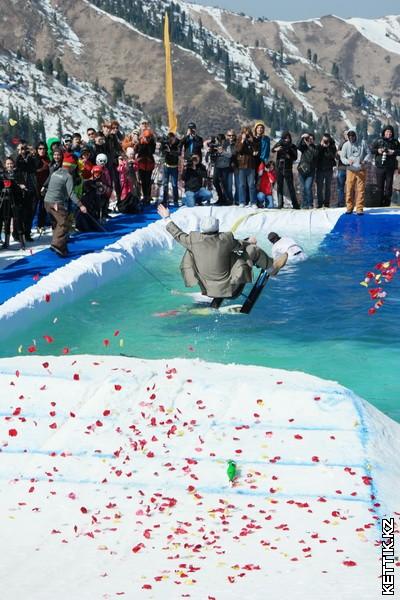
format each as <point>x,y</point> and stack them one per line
<point>312,317</point>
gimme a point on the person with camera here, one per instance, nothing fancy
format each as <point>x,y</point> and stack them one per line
<point>355,155</point>
<point>306,168</point>
<point>326,160</point>
<point>42,173</point>
<point>59,193</point>
<point>26,178</point>
<point>195,177</point>
<point>192,143</point>
<point>386,149</point>
<point>170,151</point>
<point>247,149</point>
<point>11,204</point>
<point>264,144</point>
<point>286,155</point>
<point>223,167</point>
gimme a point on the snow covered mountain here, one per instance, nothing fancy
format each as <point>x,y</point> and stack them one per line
<point>320,73</point>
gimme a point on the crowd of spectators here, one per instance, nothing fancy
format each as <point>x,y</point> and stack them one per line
<point>81,179</point>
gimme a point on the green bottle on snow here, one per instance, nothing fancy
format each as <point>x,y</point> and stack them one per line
<point>231,470</point>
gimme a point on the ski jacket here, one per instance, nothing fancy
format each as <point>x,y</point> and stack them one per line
<point>386,160</point>
<point>326,157</point>
<point>246,153</point>
<point>61,189</point>
<point>194,178</point>
<point>266,180</point>
<point>308,159</point>
<point>192,144</point>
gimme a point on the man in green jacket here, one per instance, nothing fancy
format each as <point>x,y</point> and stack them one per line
<point>216,261</point>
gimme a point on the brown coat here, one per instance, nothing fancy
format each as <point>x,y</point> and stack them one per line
<point>212,262</point>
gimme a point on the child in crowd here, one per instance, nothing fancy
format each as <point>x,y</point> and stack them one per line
<point>266,180</point>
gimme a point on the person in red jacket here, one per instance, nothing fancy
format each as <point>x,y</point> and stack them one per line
<point>266,180</point>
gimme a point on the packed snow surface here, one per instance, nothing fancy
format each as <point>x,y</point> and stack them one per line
<point>115,482</point>
<point>384,32</point>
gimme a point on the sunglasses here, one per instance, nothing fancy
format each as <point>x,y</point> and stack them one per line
<point>41,148</point>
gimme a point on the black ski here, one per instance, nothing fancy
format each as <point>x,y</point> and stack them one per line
<point>255,292</point>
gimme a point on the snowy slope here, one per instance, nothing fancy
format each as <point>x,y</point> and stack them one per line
<point>29,89</point>
<point>384,32</point>
<point>117,485</point>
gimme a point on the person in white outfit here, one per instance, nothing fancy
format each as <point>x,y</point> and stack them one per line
<point>286,245</point>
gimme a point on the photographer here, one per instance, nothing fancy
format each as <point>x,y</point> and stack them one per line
<point>386,149</point>
<point>194,176</point>
<point>170,150</point>
<point>129,202</point>
<point>26,178</point>
<point>326,160</point>
<point>306,167</point>
<point>223,167</point>
<point>11,204</point>
<point>246,154</point>
<point>286,154</point>
<point>192,143</point>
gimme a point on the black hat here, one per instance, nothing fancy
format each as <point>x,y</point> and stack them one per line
<point>273,237</point>
<point>192,125</point>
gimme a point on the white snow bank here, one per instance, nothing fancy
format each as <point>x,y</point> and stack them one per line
<point>92,270</point>
<point>114,482</point>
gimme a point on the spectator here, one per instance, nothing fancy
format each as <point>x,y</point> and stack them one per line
<point>66,143</point>
<point>355,155</point>
<point>144,151</point>
<point>223,168</point>
<point>386,149</point>
<point>26,178</point>
<point>341,173</point>
<point>11,205</point>
<point>192,143</point>
<point>246,156</point>
<point>306,168</point>
<point>42,173</point>
<point>286,154</point>
<point>130,194</point>
<point>100,146</point>
<point>266,180</point>
<point>85,164</point>
<point>325,162</point>
<point>113,142</point>
<point>194,176</point>
<point>170,150</point>
<point>59,192</point>
<point>264,144</point>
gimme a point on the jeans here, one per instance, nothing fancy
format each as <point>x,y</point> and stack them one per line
<point>324,180</point>
<point>237,185</point>
<point>170,173</point>
<point>264,200</point>
<point>247,179</point>
<point>307,189</point>
<point>193,198</point>
<point>341,183</point>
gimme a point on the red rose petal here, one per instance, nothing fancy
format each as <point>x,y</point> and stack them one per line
<point>76,377</point>
<point>117,387</point>
<point>12,432</point>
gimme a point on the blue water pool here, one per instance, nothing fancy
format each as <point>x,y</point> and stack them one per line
<point>312,318</point>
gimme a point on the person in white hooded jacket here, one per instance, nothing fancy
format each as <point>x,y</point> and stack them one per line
<point>354,155</point>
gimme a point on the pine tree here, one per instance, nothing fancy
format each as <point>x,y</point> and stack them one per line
<point>39,64</point>
<point>309,54</point>
<point>303,83</point>
<point>315,58</point>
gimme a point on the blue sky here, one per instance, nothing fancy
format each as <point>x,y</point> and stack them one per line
<point>291,10</point>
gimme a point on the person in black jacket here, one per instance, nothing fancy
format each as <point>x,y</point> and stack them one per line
<point>306,167</point>
<point>194,176</point>
<point>170,150</point>
<point>26,178</point>
<point>192,143</point>
<point>386,150</point>
<point>286,154</point>
<point>11,204</point>
<point>326,160</point>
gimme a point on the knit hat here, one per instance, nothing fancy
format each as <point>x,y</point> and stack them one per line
<point>209,225</point>
<point>97,170</point>
<point>68,161</point>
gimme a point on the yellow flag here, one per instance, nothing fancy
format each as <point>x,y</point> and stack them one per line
<point>169,87</point>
